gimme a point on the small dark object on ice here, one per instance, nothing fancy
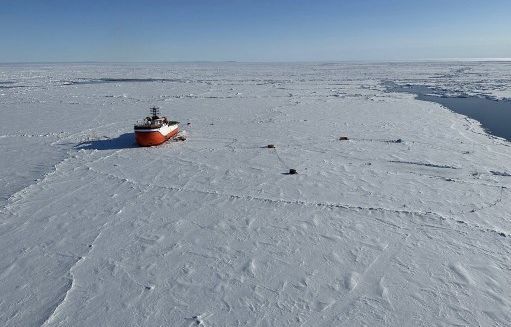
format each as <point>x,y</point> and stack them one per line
<point>188,123</point>
<point>343,138</point>
<point>180,138</point>
<point>270,146</point>
<point>196,319</point>
<point>395,141</point>
<point>292,171</point>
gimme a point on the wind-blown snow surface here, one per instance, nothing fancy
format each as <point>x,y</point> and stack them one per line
<point>407,223</point>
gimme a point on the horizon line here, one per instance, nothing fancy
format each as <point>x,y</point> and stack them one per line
<point>489,59</point>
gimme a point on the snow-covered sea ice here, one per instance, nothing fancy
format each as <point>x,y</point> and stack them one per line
<point>214,231</point>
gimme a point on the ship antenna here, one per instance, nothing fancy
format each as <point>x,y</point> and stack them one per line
<point>155,111</point>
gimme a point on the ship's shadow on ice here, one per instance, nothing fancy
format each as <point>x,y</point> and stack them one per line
<point>123,141</point>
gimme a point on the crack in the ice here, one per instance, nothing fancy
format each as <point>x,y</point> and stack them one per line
<point>58,308</point>
<point>424,164</point>
<point>54,312</point>
<point>493,204</point>
<point>310,204</point>
<point>19,194</point>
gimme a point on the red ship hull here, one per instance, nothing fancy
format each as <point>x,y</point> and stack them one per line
<point>153,137</point>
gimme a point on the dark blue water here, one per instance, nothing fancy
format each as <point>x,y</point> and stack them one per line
<point>494,116</point>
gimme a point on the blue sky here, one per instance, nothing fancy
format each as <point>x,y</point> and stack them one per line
<point>253,30</point>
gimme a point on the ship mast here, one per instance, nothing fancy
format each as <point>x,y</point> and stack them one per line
<point>155,111</point>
